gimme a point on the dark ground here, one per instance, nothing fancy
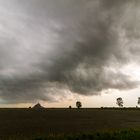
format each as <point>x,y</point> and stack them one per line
<point>30,122</point>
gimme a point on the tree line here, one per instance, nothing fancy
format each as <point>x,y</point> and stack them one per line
<point>119,102</point>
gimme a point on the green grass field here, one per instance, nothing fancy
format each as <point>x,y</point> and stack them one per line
<point>69,124</point>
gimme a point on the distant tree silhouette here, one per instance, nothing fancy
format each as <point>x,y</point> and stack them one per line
<point>138,100</point>
<point>70,107</point>
<point>78,104</point>
<point>119,102</point>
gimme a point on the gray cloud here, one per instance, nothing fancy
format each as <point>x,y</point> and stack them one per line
<point>50,47</point>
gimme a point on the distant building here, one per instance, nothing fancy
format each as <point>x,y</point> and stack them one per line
<point>37,106</point>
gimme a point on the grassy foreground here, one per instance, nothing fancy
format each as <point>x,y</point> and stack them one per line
<point>70,124</point>
<point>117,135</point>
<point>130,134</point>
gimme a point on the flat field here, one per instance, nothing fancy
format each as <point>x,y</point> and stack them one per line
<point>31,122</point>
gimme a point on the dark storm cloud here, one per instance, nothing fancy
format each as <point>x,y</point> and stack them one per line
<point>51,47</point>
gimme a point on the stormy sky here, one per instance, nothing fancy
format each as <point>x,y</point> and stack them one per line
<point>53,49</point>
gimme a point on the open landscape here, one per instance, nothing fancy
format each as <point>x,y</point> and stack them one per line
<point>69,69</point>
<point>33,123</point>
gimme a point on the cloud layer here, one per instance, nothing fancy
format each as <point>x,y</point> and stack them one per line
<point>50,48</point>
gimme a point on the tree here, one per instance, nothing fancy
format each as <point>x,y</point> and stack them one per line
<point>78,104</point>
<point>138,100</point>
<point>70,107</point>
<point>119,102</point>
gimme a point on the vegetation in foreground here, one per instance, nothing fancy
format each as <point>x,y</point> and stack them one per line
<point>130,134</point>
<point>90,124</point>
<point>117,135</point>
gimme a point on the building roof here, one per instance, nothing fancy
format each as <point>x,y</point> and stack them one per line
<point>37,106</point>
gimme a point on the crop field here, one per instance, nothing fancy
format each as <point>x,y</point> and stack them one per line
<point>31,123</point>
